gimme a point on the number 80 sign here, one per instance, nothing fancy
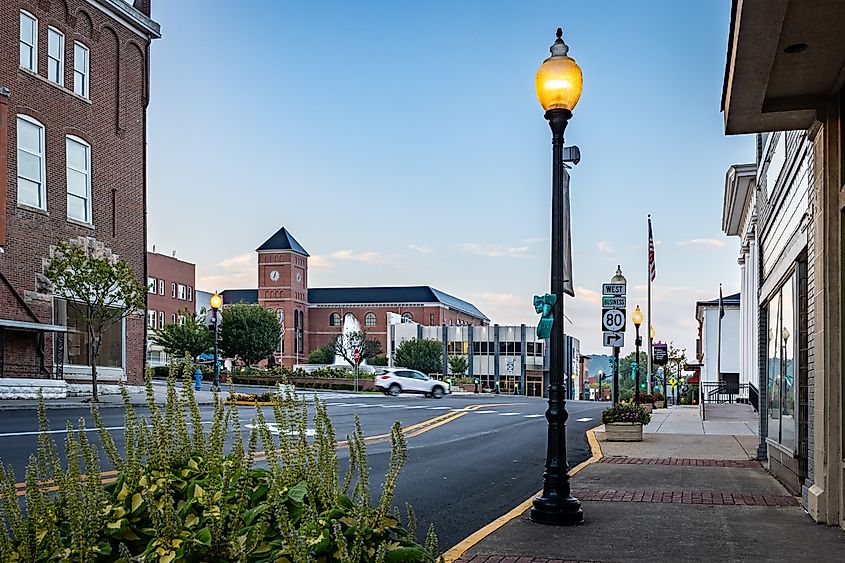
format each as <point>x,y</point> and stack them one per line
<point>613,320</point>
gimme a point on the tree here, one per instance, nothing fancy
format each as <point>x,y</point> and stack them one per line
<point>346,344</point>
<point>322,355</point>
<point>249,332</point>
<point>99,286</point>
<point>422,355</point>
<point>458,365</point>
<point>191,337</point>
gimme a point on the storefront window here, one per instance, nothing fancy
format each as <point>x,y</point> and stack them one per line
<point>77,348</point>
<point>782,334</point>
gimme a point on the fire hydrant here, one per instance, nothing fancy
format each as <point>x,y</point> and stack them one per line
<point>198,379</point>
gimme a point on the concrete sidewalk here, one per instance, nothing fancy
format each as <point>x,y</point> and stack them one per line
<point>672,497</point>
<point>204,397</point>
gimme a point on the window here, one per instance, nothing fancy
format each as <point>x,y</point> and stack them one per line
<point>151,319</point>
<point>334,319</point>
<point>190,293</point>
<point>407,316</point>
<point>151,285</point>
<point>80,69</point>
<point>161,287</point>
<point>55,56</point>
<point>173,289</point>
<point>78,179</point>
<point>173,317</point>
<point>370,319</point>
<point>77,349</point>
<point>31,188</point>
<point>781,368</point>
<point>29,42</point>
<point>182,291</point>
<point>161,319</point>
<point>180,319</point>
<point>431,319</point>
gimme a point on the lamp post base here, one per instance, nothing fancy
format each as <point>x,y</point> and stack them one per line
<point>557,511</point>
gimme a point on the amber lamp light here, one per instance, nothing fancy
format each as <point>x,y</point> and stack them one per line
<point>559,80</point>
<point>216,301</point>
<point>637,316</point>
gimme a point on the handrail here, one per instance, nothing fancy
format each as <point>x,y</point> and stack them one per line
<point>754,397</point>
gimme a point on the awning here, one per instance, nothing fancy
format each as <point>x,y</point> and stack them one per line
<point>24,325</point>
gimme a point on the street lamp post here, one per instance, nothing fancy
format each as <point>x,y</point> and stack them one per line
<point>216,302</point>
<point>637,319</point>
<point>558,83</point>
<point>600,377</point>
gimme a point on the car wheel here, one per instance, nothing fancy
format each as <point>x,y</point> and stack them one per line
<point>394,390</point>
<point>437,392</point>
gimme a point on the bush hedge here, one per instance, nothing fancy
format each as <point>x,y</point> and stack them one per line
<point>182,495</point>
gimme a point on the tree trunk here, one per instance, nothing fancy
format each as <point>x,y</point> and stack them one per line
<point>95,357</point>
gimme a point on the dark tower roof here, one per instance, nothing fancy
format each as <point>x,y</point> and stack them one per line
<point>282,240</point>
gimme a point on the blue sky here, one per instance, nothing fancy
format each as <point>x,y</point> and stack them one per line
<point>402,143</point>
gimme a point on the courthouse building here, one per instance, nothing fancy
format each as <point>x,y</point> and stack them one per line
<point>74,89</point>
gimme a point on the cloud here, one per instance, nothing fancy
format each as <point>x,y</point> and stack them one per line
<point>494,250</point>
<point>705,242</point>
<point>365,257</point>
<point>534,240</point>
<point>421,249</point>
<point>588,295</point>
<point>605,248</point>
<point>497,298</point>
<point>319,263</point>
<point>237,261</point>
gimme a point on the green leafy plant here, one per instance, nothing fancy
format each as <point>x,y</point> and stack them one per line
<point>179,494</point>
<point>625,412</point>
<point>191,337</point>
<point>420,354</point>
<point>100,286</point>
<point>458,365</point>
<point>322,355</point>
<point>249,332</point>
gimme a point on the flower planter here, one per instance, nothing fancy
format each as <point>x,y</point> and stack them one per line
<point>647,406</point>
<point>659,404</point>
<point>623,432</point>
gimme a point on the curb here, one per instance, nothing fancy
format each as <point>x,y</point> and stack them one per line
<point>458,550</point>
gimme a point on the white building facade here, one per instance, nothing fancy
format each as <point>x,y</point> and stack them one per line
<point>728,362</point>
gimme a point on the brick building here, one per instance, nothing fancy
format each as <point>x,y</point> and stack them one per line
<point>74,88</point>
<point>311,317</point>
<point>170,291</point>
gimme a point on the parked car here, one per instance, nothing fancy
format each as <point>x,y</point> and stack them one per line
<point>399,380</point>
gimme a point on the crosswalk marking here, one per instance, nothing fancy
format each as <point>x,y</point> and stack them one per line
<point>483,412</point>
<point>509,413</point>
<point>533,415</point>
<point>437,408</point>
<point>584,420</point>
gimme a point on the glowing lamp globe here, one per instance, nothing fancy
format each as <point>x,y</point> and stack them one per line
<point>559,80</point>
<point>637,316</point>
<point>216,301</point>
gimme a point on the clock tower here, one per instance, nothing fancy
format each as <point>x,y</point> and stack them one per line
<point>283,288</point>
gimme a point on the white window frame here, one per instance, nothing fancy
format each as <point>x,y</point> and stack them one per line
<point>173,290</point>
<point>82,78</point>
<point>42,196</point>
<point>60,62</point>
<point>161,287</point>
<point>180,319</point>
<point>190,293</point>
<point>182,291</point>
<point>151,285</point>
<point>34,47</point>
<point>88,207</point>
<point>161,319</point>
<point>151,319</point>
<point>172,317</point>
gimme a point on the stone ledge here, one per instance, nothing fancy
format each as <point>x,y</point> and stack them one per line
<point>30,388</point>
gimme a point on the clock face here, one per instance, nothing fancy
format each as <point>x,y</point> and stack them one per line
<point>274,275</point>
<point>298,277</point>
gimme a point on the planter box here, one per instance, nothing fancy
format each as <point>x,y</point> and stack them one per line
<point>623,432</point>
<point>648,407</point>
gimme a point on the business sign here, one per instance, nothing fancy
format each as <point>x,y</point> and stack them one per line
<point>613,320</point>
<point>613,302</point>
<point>613,339</point>
<point>660,354</point>
<point>616,289</point>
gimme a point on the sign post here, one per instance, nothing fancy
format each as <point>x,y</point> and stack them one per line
<point>613,320</point>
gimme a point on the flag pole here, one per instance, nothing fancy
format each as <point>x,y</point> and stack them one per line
<point>650,276</point>
<point>719,337</point>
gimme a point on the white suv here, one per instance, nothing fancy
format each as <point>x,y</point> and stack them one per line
<point>398,380</point>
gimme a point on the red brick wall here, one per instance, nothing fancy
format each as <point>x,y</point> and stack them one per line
<point>112,122</point>
<point>289,293</point>
<point>171,270</point>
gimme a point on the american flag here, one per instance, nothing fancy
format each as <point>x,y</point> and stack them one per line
<point>721,304</point>
<point>651,270</point>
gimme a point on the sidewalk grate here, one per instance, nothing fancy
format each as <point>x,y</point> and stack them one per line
<point>733,463</point>
<point>685,497</point>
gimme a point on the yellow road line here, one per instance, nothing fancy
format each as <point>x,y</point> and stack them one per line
<point>464,545</point>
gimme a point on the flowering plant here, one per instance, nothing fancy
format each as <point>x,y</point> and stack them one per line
<point>625,412</point>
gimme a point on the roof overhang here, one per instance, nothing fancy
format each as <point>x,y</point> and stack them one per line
<point>30,326</point>
<point>769,88</point>
<point>740,181</point>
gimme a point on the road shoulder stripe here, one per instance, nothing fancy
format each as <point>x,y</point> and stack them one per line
<point>464,545</point>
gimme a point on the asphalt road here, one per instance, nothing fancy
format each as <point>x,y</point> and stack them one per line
<point>461,474</point>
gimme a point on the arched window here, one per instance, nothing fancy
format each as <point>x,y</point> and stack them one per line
<point>370,319</point>
<point>281,314</point>
<point>407,316</point>
<point>334,319</point>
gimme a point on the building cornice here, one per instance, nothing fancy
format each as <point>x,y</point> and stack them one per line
<point>128,15</point>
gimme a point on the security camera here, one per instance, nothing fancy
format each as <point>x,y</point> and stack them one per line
<point>572,154</point>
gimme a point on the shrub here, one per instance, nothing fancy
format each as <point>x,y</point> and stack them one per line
<point>161,372</point>
<point>658,396</point>
<point>180,494</point>
<point>645,398</point>
<point>625,412</point>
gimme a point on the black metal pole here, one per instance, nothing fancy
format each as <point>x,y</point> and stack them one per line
<point>556,505</point>
<point>615,390</point>
<point>216,367</point>
<point>637,342</point>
